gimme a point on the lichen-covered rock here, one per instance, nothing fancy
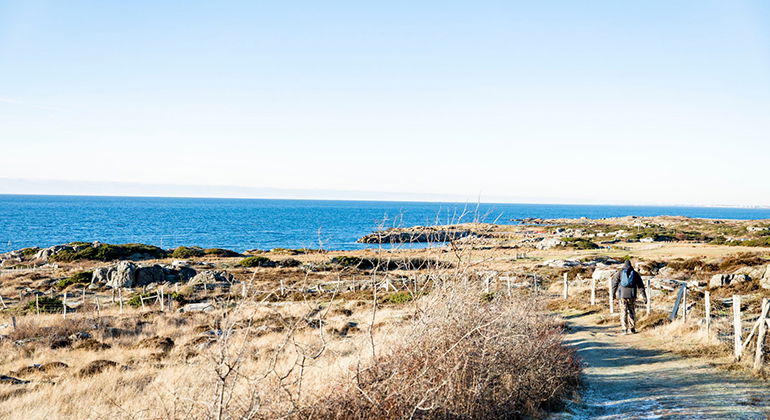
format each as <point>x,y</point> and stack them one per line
<point>128,274</point>
<point>211,276</point>
<point>549,243</point>
<point>719,280</point>
<point>601,275</point>
<point>764,281</point>
<point>197,307</point>
<point>150,274</point>
<point>124,275</point>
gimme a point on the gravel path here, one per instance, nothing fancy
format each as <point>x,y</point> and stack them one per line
<point>627,379</point>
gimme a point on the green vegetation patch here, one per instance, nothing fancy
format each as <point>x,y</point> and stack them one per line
<point>82,277</point>
<point>136,300</point>
<point>29,252</point>
<point>108,252</point>
<point>398,298</point>
<point>386,264</point>
<point>45,303</point>
<point>580,243</point>
<point>187,252</point>
<point>258,261</point>
<point>762,241</point>
<point>220,252</point>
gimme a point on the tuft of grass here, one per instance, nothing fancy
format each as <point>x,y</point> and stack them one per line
<point>136,300</point>
<point>398,298</point>
<point>653,320</point>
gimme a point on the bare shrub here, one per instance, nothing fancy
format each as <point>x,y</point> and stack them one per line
<point>461,358</point>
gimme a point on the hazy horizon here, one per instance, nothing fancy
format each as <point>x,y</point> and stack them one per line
<point>106,189</point>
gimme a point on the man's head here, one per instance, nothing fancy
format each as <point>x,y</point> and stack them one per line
<point>627,266</point>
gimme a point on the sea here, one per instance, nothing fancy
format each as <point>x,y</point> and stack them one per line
<point>244,224</point>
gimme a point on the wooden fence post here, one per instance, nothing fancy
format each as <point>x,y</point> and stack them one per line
<point>612,298</point>
<point>120,298</point>
<point>162,303</point>
<point>3,303</point>
<point>566,286</point>
<point>593,291</point>
<point>13,321</point>
<point>64,306</point>
<point>37,305</point>
<point>649,297</point>
<point>759,356</point>
<point>508,285</point>
<point>737,328</point>
<point>707,303</point>
<point>684,304</point>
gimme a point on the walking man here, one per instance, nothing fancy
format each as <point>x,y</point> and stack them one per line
<point>624,286</point>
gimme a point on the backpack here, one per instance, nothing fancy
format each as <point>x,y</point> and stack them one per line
<point>627,278</point>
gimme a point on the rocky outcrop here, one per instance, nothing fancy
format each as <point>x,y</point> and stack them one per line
<point>602,275</point>
<point>549,243</point>
<point>45,253</point>
<point>719,280</point>
<point>124,275</point>
<point>150,274</point>
<point>128,274</point>
<point>422,234</point>
<point>197,307</point>
<point>211,276</point>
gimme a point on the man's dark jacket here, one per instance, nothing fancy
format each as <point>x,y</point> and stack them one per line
<point>621,292</point>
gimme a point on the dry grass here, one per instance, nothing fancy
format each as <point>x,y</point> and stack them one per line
<point>447,353</point>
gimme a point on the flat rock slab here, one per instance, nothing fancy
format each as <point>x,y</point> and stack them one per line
<point>625,378</point>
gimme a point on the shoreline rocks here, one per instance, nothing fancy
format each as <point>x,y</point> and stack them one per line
<point>417,234</point>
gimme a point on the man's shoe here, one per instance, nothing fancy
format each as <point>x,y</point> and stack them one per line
<point>625,333</point>
<point>633,330</point>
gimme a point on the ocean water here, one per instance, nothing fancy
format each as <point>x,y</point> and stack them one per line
<point>242,224</point>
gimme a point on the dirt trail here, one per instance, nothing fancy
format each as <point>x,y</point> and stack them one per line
<point>627,379</point>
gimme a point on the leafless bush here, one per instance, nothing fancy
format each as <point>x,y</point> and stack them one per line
<point>462,358</point>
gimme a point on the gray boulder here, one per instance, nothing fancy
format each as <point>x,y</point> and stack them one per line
<point>101,275</point>
<point>197,307</point>
<point>44,253</point>
<point>128,274</point>
<point>150,274</point>
<point>601,275</point>
<point>764,281</point>
<point>124,275</point>
<point>549,243</point>
<point>719,280</point>
<point>211,276</point>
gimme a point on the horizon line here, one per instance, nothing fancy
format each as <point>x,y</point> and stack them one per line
<point>551,203</point>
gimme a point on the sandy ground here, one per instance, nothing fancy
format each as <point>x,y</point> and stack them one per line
<point>626,378</point>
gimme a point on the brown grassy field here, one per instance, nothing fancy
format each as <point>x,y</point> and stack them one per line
<point>460,329</point>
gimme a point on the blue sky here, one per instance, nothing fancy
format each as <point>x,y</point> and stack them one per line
<point>655,102</point>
